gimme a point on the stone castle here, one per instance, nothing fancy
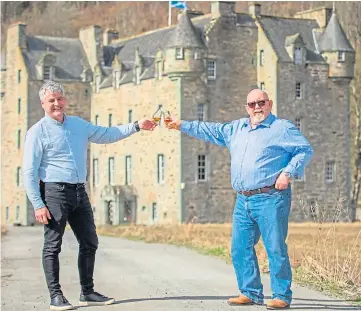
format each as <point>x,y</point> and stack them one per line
<point>201,68</point>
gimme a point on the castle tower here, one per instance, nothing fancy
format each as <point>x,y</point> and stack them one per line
<point>184,51</point>
<point>337,50</point>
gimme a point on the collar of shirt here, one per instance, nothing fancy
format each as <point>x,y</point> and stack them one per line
<point>53,121</point>
<point>265,123</point>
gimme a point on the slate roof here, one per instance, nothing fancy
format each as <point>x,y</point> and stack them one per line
<point>70,56</point>
<point>334,38</point>
<point>277,29</point>
<point>185,35</point>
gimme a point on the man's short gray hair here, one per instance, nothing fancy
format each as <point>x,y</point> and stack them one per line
<point>52,87</point>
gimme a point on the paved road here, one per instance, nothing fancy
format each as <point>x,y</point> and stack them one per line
<point>140,276</point>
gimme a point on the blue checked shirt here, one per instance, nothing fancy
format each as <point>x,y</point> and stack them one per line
<point>259,155</point>
<point>57,152</point>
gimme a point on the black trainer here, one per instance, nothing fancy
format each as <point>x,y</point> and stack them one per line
<point>95,299</point>
<point>59,303</point>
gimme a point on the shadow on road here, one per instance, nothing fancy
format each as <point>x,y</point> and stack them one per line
<point>327,305</point>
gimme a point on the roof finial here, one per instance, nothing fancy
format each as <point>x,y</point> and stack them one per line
<point>333,7</point>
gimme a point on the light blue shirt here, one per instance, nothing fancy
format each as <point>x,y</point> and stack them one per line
<point>57,152</point>
<point>258,155</point>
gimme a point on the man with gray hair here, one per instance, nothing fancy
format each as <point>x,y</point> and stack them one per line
<point>55,152</point>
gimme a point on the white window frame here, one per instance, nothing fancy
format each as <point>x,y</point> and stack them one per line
<point>297,56</point>
<point>330,171</point>
<point>128,170</point>
<point>137,74</point>
<point>211,69</point>
<point>159,70</point>
<point>95,172</point>
<point>201,167</point>
<point>179,53</point>
<point>160,169</point>
<point>111,171</point>
<point>340,56</point>
<point>117,79</point>
<point>97,83</point>
<point>299,90</point>
<point>261,58</point>
<point>201,112</point>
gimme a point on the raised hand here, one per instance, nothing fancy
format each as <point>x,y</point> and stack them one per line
<point>174,124</point>
<point>147,125</point>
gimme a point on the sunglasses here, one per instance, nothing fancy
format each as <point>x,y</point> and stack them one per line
<point>260,104</point>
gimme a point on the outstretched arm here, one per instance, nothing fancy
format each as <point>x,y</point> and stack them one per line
<point>105,135</point>
<point>212,132</point>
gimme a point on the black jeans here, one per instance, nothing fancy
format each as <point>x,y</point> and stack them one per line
<point>68,203</point>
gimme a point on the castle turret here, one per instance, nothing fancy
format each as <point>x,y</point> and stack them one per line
<point>337,50</point>
<point>184,51</point>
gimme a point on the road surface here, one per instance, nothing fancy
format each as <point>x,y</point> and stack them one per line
<point>140,276</point>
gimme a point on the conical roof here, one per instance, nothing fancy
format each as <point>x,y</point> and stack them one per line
<point>184,34</point>
<point>334,38</point>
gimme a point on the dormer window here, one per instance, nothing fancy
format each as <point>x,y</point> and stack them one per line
<point>179,53</point>
<point>341,56</point>
<point>117,79</point>
<point>297,57</point>
<point>137,75</point>
<point>48,73</point>
<point>159,66</point>
<point>97,83</point>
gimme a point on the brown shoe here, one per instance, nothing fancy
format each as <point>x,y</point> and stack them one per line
<point>277,304</point>
<point>240,301</point>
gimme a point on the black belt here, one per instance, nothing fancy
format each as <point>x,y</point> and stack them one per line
<point>248,193</point>
<point>65,184</point>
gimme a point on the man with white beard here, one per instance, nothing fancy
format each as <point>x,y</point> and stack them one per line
<point>266,153</point>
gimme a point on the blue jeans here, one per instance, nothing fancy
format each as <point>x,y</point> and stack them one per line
<point>263,214</point>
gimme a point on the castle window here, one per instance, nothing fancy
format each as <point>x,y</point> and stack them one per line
<point>95,172</point>
<point>47,73</point>
<point>330,171</point>
<point>297,57</point>
<point>18,176</point>
<point>86,93</point>
<point>7,213</point>
<point>179,53</point>
<point>313,208</point>
<point>341,56</point>
<point>261,57</point>
<point>159,70</point>
<point>202,174</point>
<point>261,86</point>
<point>154,211</point>
<point>197,54</point>
<point>17,216</point>
<point>96,120</point>
<point>128,170</point>
<point>211,69</point>
<point>19,139</point>
<point>130,116</point>
<point>110,120</point>
<point>298,90</point>
<point>160,169</point>
<point>137,75</point>
<point>19,105</point>
<point>111,171</point>
<point>298,123</point>
<point>200,112</point>
<point>19,75</point>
